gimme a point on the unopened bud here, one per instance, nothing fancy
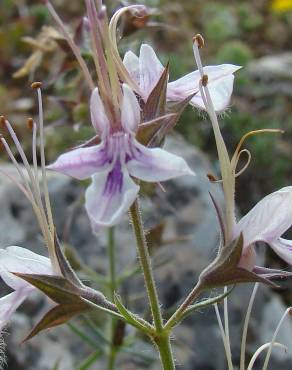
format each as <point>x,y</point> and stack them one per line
<point>36,85</point>
<point>199,40</point>
<point>30,123</point>
<point>205,80</point>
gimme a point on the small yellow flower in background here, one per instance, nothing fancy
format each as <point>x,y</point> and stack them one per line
<point>281,5</point>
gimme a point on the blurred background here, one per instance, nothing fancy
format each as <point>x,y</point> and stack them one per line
<point>255,34</point>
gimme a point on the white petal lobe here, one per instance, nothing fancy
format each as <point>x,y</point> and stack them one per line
<point>130,112</point>
<point>82,163</point>
<point>269,219</point>
<point>98,116</point>
<point>109,197</point>
<point>156,164</point>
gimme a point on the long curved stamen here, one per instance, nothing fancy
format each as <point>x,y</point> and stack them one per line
<point>32,125</point>
<point>236,174</point>
<point>43,161</point>
<point>124,74</point>
<point>251,133</point>
<point>29,190</point>
<point>286,313</point>
<point>225,165</point>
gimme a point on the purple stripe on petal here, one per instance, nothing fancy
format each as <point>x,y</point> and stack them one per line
<point>114,181</point>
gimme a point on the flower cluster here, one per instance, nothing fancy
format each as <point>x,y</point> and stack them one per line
<point>116,106</point>
<point>132,109</point>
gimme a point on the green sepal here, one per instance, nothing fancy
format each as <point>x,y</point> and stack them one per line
<point>149,129</point>
<point>225,270</point>
<point>156,102</point>
<point>59,289</point>
<point>176,110</point>
<point>57,316</point>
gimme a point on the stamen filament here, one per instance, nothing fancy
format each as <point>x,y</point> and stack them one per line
<point>224,160</point>
<point>34,153</point>
<point>43,164</point>
<point>33,181</point>
<point>226,325</point>
<point>124,74</point>
<point>31,196</point>
<point>261,349</point>
<point>248,134</point>
<point>236,174</point>
<point>229,361</point>
<point>274,338</point>
<point>245,327</point>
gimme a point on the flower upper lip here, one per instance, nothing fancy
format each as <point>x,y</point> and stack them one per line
<point>267,221</point>
<point>147,69</point>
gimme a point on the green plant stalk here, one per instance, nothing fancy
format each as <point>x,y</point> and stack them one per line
<point>112,285</point>
<point>165,352</point>
<point>145,262</point>
<point>162,337</point>
<point>112,264</point>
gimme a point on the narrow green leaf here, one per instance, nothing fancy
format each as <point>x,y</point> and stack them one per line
<point>90,360</point>
<point>132,319</point>
<point>206,303</point>
<point>82,335</point>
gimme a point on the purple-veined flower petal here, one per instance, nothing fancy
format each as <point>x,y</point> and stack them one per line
<point>98,116</point>
<point>269,219</point>
<point>130,112</point>
<point>109,196</point>
<point>82,163</point>
<point>9,304</point>
<point>17,259</point>
<point>150,70</point>
<point>131,62</point>
<point>283,248</point>
<point>156,164</point>
<point>220,84</point>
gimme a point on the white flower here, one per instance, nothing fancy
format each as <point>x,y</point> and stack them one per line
<point>19,260</point>
<point>266,222</point>
<point>112,163</point>
<point>147,69</point>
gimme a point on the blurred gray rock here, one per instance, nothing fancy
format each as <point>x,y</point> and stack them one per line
<point>274,73</point>
<point>189,234</point>
<point>272,66</point>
